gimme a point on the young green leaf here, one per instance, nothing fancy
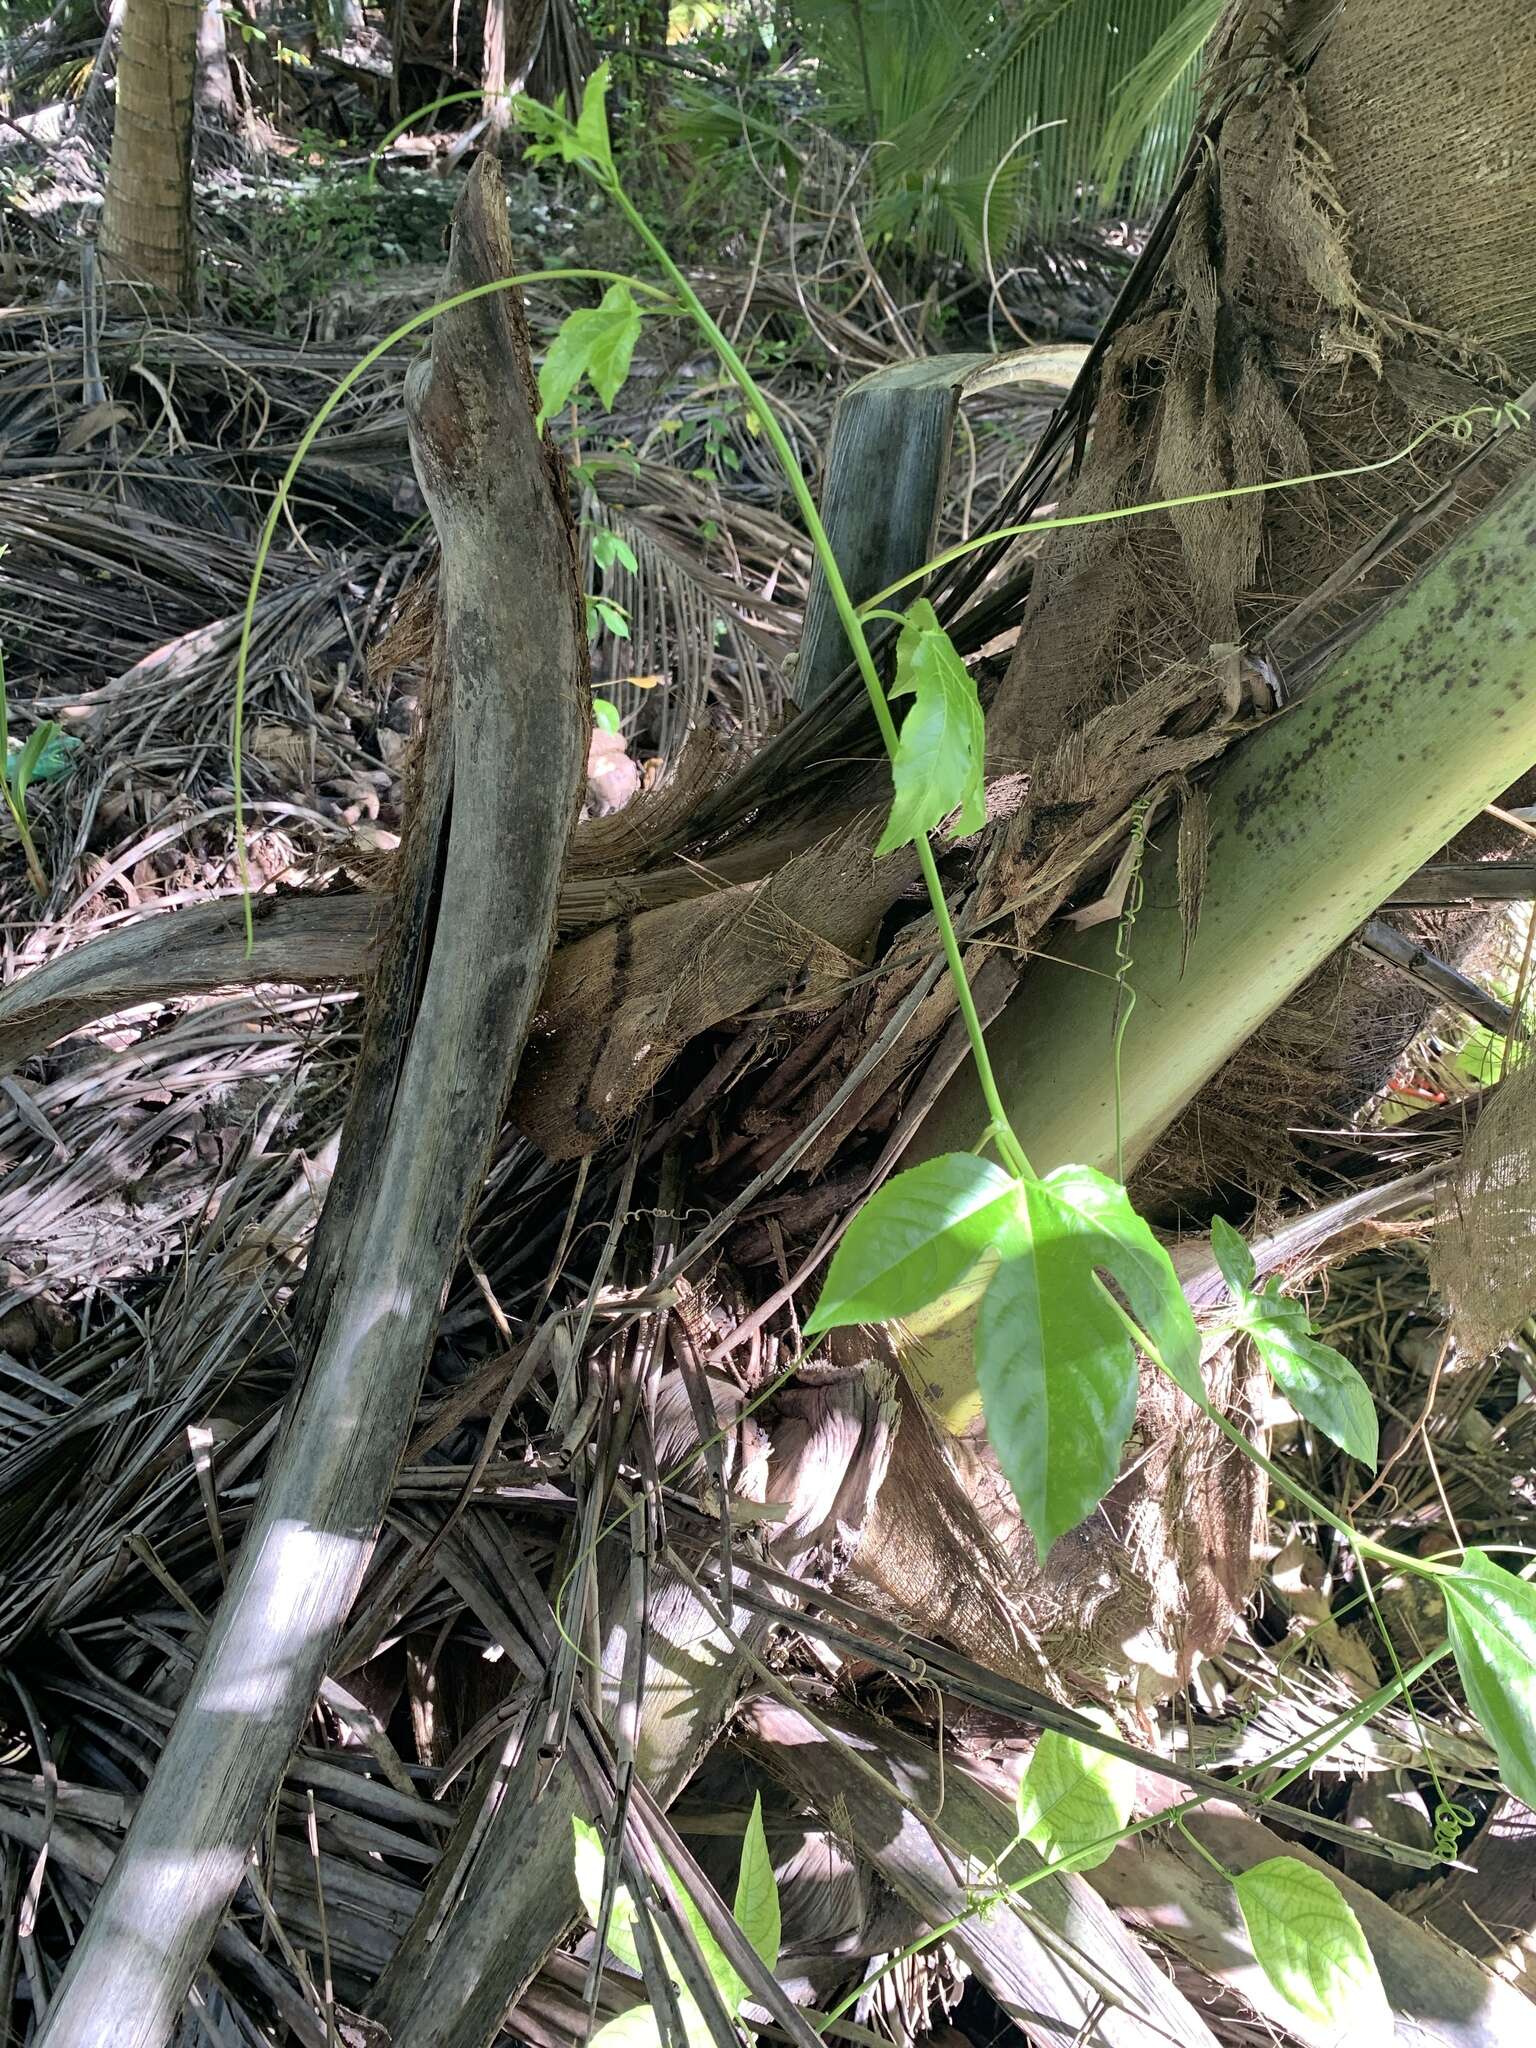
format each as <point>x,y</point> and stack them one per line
<point>941,747</point>
<point>1319,1382</point>
<point>1491,1621</point>
<point>1308,1943</point>
<point>1233,1257</point>
<point>27,767</point>
<point>913,1238</point>
<point>552,134</point>
<point>590,1858</point>
<point>605,714</point>
<point>1072,1796</point>
<point>596,342</point>
<point>592,121</point>
<point>607,613</point>
<point>1054,1361</point>
<point>584,140</point>
<point>756,1908</point>
<point>609,547</point>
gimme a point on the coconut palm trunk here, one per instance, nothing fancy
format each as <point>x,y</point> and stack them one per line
<point>512,38</point>
<point>146,219</point>
<point>215,82</point>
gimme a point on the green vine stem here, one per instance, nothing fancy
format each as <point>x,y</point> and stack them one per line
<point>853,627</point>
<point>286,482</point>
<point>1505,416</point>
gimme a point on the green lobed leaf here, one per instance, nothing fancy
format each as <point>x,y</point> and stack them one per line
<point>1054,1361</point>
<point>1072,1796</point>
<point>756,1907</point>
<point>1491,1621</point>
<point>1057,1374</point>
<point>1319,1382</point>
<point>1308,1943</point>
<point>940,752</point>
<point>1140,1267</point>
<point>913,1238</point>
<point>1233,1257</point>
<point>605,715</point>
<point>596,342</point>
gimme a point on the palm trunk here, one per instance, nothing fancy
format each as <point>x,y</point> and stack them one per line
<point>443,1042</point>
<point>513,34</point>
<point>1272,341</point>
<point>493,67</point>
<point>215,85</point>
<point>146,217</point>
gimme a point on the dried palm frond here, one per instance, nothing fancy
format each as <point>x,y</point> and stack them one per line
<point>106,1165</point>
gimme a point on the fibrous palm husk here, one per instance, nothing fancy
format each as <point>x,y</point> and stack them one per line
<point>1483,1256</point>
<point>1269,341</point>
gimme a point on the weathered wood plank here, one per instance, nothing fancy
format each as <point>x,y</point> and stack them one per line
<point>457,994</point>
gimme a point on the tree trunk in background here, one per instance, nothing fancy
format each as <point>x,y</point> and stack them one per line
<point>146,216</point>
<point>493,67</point>
<point>215,85</point>
<point>513,34</point>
